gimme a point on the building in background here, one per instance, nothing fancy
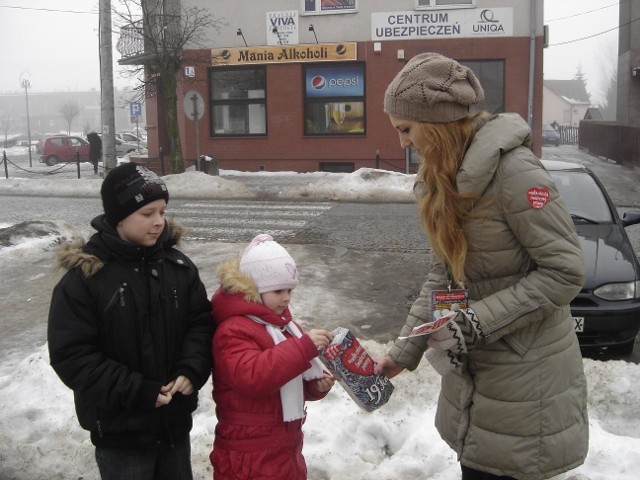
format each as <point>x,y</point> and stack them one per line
<point>565,102</point>
<point>628,104</point>
<point>298,85</point>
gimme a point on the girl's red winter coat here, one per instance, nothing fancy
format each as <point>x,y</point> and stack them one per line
<point>251,439</point>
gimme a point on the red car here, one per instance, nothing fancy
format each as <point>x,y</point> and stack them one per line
<point>63,148</point>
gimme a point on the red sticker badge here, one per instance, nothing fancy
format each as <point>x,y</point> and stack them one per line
<point>538,197</point>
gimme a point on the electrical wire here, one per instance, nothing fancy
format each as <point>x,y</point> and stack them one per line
<point>584,13</point>
<point>594,35</point>
<point>47,10</point>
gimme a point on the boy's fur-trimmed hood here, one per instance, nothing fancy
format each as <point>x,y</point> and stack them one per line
<point>75,254</point>
<point>232,280</point>
<point>71,255</point>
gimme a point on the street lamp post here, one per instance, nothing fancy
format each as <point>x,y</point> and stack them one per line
<point>26,84</point>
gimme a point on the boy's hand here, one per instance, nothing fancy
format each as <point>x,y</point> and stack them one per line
<point>320,338</point>
<point>163,399</point>
<point>182,385</point>
<point>326,382</point>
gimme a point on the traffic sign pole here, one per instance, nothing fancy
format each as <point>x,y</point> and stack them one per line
<point>193,106</point>
<point>194,98</point>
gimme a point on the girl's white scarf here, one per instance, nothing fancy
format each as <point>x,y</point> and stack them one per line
<point>291,393</point>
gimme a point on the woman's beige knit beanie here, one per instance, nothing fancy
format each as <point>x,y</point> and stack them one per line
<point>432,88</point>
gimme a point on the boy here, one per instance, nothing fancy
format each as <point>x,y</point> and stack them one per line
<point>130,330</point>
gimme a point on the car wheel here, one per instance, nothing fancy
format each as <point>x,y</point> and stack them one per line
<point>51,160</point>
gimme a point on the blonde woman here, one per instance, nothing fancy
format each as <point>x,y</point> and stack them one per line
<point>505,263</point>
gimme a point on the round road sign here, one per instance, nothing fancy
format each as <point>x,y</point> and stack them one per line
<point>193,105</point>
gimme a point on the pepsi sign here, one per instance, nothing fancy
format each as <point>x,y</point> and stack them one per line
<point>335,81</point>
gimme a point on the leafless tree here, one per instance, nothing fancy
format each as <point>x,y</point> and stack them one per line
<point>69,110</point>
<point>5,126</point>
<point>154,34</point>
<point>609,79</point>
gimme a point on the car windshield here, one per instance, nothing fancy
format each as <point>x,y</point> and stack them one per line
<point>583,196</point>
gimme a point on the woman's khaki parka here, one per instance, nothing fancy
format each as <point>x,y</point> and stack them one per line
<point>518,407</point>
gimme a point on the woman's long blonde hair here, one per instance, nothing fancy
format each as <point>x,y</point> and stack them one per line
<point>442,207</point>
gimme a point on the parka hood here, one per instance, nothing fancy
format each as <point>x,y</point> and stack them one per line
<point>91,256</point>
<point>232,280</point>
<point>238,296</point>
<point>501,134</point>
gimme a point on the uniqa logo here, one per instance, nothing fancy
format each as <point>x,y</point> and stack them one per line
<point>318,82</point>
<point>487,16</point>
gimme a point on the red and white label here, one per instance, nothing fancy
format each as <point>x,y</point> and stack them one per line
<point>538,197</point>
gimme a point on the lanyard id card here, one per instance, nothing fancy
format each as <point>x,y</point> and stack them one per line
<point>451,300</point>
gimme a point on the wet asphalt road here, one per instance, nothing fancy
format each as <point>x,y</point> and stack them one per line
<point>371,256</point>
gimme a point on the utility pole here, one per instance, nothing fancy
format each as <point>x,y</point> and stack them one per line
<point>109,160</point>
<point>26,84</point>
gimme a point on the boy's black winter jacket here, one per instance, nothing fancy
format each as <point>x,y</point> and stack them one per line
<point>125,320</point>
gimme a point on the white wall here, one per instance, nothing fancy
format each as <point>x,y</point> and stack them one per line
<point>250,16</point>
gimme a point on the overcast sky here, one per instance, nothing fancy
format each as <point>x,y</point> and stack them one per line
<point>57,43</point>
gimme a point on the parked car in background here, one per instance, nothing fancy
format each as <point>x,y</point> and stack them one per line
<point>123,148</point>
<point>607,309</point>
<point>550,136</point>
<point>62,148</point>
<point>129,137</point>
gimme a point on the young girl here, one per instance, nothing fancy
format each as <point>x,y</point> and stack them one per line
<point>265,367</point>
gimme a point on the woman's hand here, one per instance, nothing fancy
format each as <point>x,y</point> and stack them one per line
<point>388,367</point>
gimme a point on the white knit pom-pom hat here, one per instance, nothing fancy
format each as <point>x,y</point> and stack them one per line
<point>269,265</point>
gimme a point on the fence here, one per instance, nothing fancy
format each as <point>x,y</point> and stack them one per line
<point>568,135</point>
<point>612,141</point>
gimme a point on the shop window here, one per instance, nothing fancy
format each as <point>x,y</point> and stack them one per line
<point>491,76</point>
<point>320,7</point>
<point>424,4</point>
<point>337,167</point>
<point>238,104</point>
<point>334,99</point>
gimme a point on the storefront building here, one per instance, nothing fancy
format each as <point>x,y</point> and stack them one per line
<point>294,85</point>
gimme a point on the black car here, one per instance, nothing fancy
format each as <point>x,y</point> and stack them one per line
<point>550,136</point>
<point>607,310</point>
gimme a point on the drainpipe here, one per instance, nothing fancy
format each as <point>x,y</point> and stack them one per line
<point>532,61</point>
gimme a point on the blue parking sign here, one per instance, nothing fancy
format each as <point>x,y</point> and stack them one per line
<point>135,109</point>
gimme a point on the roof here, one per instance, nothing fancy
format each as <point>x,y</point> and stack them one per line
<point>573,91</point>
<point>593,113</point>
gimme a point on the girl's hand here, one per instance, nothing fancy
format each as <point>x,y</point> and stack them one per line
<point>388,367</point>
<point>320,338</point>
<point>326,382</point>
